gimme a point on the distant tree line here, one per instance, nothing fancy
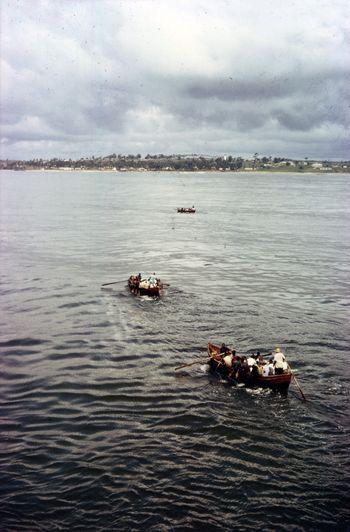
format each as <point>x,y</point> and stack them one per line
<point>164,162</point>
<point>119,162</point>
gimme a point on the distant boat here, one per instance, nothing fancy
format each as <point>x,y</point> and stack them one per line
<point>279,383</point>
<point>147,286</point>
<point>186,209</point>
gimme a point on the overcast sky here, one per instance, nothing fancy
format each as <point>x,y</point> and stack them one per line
<point>94,77</point>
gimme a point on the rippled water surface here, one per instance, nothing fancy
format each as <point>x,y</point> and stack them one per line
<point>98,432</point>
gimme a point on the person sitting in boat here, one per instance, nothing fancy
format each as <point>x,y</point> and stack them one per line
<point>243,370</point>
<point>152,280</point>
<point>223,353</point>
<point>261,369</point>
<point>224,349</point>
<point>269,369</point>
<point>230,358</point>
<point>237,370</point>
<point>259,359</point>
<point>144,283</point>
<point>251,361</point>
<point>254,371</point>
<point>279,361</point>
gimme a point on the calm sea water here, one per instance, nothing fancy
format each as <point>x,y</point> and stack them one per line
<point>98,432</point>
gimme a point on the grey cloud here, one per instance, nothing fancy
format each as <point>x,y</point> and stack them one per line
<point>90,91</point>
<point>298,103</point>
<point>297,121</point>
<point>231,89</point>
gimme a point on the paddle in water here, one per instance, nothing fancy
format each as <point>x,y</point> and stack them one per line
<point>297,383</point>
<point>114,282</point>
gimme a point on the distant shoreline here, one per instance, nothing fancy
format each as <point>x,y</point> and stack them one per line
<point>317,171</point>
<point>180,163</point>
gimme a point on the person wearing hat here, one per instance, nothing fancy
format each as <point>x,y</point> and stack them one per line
<point>279,361</point>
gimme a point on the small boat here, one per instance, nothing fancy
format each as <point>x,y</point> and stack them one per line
<point>186,209</point>
<point>148,286</point>
<point>279,383</point>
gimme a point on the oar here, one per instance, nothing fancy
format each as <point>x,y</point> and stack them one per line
<point>297,383</point>
<point>114,282</point>
<point>191,364</point>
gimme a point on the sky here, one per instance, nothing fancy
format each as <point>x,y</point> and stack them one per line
<point>238,77</point>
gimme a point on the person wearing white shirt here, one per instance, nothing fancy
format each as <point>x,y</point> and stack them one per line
<point>279,361</point>
<point>251,361</point>
<point>269,369</point>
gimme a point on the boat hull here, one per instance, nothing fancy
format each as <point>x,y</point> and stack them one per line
<point>278,383</point>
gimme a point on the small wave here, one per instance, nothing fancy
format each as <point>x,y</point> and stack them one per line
<point>18,342</point>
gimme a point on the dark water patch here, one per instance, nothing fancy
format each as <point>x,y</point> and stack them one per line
<point>102,324</point>
<point>68,344</point>
<point>78,343</point>
<point>22,352</point>
<point>66,295</point>
<point>18,342</point>
<point>79,304</point>
<point>10,376</point>
<point>70,355</point>
<point>321,344</point>
<point>80,368</point>
<point>151,356</point>
<point>17,290</point>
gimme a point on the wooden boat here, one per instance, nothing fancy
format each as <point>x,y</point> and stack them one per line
<point>150,286</point>
<point>279,383</point>
<point>186,209</point>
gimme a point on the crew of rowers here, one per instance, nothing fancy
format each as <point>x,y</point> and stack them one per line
<point>253,365</point>
<point>186,209</point>
<point>137,281</point>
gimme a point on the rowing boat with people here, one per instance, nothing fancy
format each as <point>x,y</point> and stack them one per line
<point>217,365</point>
<point>188,210</point>
<point>145,286</point>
